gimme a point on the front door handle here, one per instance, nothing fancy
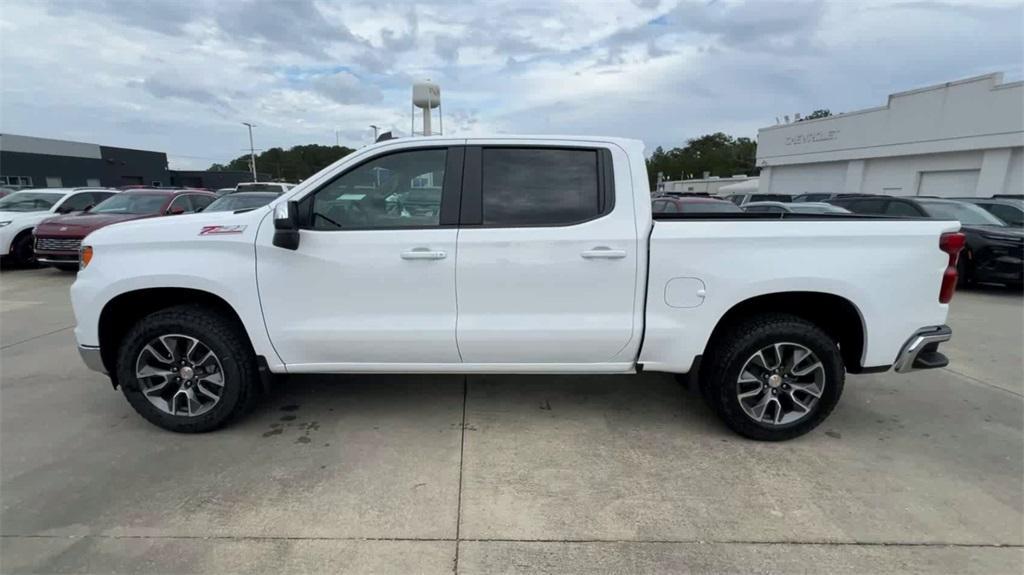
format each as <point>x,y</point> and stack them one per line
<point>605,253</point>
<point>423,254</point>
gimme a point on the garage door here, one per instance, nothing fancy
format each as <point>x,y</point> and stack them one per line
<point>827,177</point>
<point>948,184</point>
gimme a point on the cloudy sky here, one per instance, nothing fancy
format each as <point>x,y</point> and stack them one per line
<point>180,75</point>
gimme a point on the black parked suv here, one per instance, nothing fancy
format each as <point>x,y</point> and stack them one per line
<point>994,251</point>
<point>1008,209</point>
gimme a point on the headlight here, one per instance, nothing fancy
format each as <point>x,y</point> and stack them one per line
<point>5,223</point>
<point>84,256</point>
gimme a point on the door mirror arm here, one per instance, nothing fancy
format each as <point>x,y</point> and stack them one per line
<point>286,225</point>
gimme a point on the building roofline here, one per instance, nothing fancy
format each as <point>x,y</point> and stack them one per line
<point>10,135</point>
<point>996,79</point>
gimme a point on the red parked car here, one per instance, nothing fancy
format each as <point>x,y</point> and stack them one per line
<point>58,239</point>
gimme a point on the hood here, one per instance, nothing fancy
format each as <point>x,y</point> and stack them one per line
<point>182,229</point>
<point>80,225</point>
<point>16,216</point>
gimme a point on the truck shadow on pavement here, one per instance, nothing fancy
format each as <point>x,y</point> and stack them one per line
<point>299,406</point>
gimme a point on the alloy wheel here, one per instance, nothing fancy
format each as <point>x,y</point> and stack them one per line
<point>780,384</point>
<point>180,375</point>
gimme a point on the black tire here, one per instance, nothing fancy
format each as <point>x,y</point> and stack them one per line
<point>222,336</point>
<point>731,351</point>
<point>23,253</point>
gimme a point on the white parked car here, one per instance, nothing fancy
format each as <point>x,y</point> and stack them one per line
<point>742,199</point>
<point>539,255</point>
<point>278,187</point>
<point>21,211</point>
<point>793,208</point>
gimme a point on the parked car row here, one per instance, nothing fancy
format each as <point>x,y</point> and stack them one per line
<point>673,204</point>
<point>47,226</point>
<point>994,227</point>
<point>994,251</point>
<point>793,208</point>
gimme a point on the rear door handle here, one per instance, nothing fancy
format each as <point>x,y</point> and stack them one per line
<point>604,253</point>
<point>423,254</point>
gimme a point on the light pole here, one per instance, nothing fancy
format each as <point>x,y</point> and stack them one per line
<point>375,130</point>
<point>337,138</point>
<point>252,152</point>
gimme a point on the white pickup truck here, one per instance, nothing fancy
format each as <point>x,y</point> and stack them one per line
<point>509,255</point>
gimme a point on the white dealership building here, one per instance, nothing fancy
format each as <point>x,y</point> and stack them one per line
<point>962,138</point>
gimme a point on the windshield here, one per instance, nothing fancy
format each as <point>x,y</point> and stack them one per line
<point>29,201</point>
<point>233,202</point>
<point>129,203</point>
<point>967,214</point>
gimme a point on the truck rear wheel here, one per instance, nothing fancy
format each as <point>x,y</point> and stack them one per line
<point>187,369</point>
<point>774,377</point>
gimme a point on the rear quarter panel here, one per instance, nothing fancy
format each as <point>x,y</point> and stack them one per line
<point>890,270</point>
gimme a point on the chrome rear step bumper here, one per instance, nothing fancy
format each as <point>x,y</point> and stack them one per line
<point>922,349</point>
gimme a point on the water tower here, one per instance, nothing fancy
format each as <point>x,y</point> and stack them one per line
<point>426,96</point>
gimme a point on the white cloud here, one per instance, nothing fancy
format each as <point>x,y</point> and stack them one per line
<point>181,76</point>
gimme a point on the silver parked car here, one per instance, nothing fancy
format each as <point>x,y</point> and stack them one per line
<point>794,208</point>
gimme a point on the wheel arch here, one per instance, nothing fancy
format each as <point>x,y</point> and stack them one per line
<point>28,231</point>
<point>124,310</point>
<point>837,316</point>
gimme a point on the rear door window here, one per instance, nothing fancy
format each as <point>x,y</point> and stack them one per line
<point>200,202</point>
<point>1009,214</point>
<point>902,209</point>
<point>98,197</point>
<point>183,203</point>
<point>539,186</point>
<point>76,202</point>
<point>870,206</point>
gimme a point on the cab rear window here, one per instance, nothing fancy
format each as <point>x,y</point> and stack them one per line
<point>539,186</point>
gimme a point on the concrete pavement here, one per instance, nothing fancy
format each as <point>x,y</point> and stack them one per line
<point>386,474</point>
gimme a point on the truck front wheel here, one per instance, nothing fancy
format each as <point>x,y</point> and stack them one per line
<point>187,369</point>
<point>774,377</point>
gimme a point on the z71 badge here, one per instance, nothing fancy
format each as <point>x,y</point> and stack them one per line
<point>217,230</point>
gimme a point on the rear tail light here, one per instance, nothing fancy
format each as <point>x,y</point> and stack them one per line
<point>951,243</point>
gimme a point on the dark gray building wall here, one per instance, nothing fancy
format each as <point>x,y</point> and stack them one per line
<point>115,167</point>
<point>72,171</point>
<point>212,180</point>
<point>124,166</point>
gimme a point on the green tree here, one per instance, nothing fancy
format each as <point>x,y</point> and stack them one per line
<point>718,154</point>
<point>292,165</point>
<point>822,113</point>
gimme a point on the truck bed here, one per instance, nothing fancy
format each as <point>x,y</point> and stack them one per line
<point>889,269</point>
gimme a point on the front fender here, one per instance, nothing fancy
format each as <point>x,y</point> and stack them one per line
<point>135,256</point>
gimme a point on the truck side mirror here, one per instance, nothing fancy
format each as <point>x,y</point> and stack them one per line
<point>286,225</point>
